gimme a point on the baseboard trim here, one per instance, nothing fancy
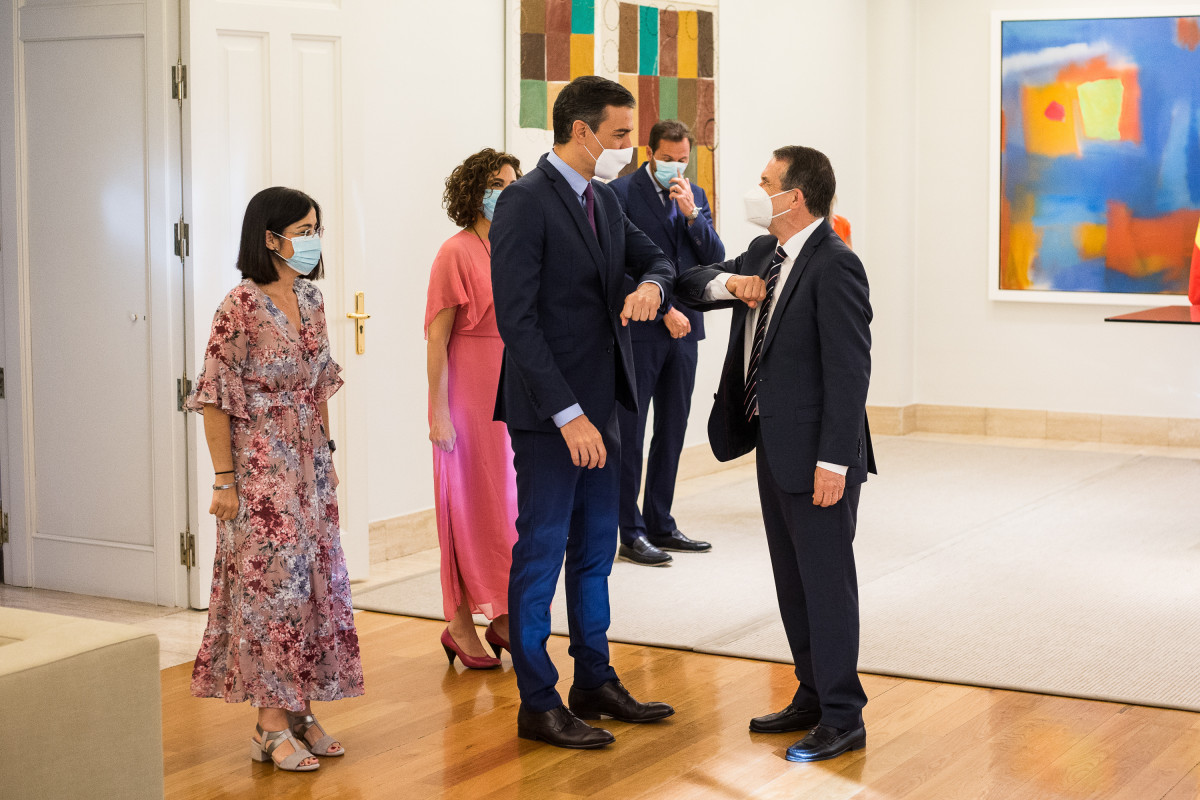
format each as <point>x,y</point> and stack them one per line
<point>1026,424</point>
<point>403,535</point>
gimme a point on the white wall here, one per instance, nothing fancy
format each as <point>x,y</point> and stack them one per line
<point>976,352</point>
<point>790,72</point>
<point>420,130</point>
<point>437,96</point>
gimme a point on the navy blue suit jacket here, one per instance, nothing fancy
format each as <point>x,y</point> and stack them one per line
<point>559,289</point>
<point>686,245</point>
<point>814,369</point>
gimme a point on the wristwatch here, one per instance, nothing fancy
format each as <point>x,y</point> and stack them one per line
<point>695,213</point>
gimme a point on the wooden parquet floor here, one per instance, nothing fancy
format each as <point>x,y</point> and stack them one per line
<point>425,731</point>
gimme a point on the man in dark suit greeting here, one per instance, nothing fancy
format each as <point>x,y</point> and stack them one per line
<point>794,387</point>
<point>561,248</point>
<point>674,213</point>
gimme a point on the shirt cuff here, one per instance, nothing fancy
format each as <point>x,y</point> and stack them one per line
<point>838,468</point>
<point>567,414</point>
<point>661,294</point>
<point>716,289</point>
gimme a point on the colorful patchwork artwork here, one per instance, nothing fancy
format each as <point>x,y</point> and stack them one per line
<point>558,44</point>
<point>667,58</point>
<point>1099,154</point>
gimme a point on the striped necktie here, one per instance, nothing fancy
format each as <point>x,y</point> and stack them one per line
<point>760,335</point>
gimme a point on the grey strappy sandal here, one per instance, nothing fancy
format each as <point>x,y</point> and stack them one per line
<point>301,724</point>
<point>261,751</point>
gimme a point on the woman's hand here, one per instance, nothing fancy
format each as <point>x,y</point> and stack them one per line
<point>442,433</point>
<point>224,504</point>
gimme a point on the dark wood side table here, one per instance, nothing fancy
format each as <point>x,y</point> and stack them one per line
<point>1177,315</point>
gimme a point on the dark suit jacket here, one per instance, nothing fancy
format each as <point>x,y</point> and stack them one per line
<point>559,290</point>
<point>686,245</point>
<point>814,369</point>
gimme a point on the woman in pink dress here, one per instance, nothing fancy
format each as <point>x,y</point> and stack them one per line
<point>280,628</point>
<point>473,479</point>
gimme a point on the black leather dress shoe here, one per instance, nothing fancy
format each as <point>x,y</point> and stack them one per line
<point>560,728</point>
<point>642,552</point>
<point>825,741</point>
<point>675,540</point>
<point>790,720</point>
<point>612,699</point>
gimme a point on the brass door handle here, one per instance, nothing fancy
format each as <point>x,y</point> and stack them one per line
<point>359,315</point>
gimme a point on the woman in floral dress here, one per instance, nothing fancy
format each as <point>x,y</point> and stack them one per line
<point>280,627</point>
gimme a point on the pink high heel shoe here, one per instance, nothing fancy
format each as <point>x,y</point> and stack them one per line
<point>470,662</point>
<point>497,643</point>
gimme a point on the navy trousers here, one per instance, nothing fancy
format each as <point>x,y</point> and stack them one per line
<point>812,556</point>
<point>562,511</point>
<point>665,369</point>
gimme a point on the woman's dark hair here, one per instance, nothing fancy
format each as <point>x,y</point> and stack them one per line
<point>272,210</point>
<point>463,198</point>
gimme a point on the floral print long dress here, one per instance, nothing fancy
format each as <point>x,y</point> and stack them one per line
<point>280,625</point>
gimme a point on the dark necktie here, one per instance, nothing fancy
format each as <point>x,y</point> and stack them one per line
<point>589,199</point>
<point>760,334</point>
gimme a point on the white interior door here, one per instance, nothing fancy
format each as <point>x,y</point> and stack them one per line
<point>272,101</point>
<point>96,294</point>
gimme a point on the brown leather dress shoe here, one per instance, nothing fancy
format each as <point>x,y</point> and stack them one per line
<point>612,699</point>
<point>790,720</point>
<point>825,742</point>
<point>560,728</point>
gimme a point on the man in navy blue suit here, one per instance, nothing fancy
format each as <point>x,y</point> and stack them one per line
<point>561,248</point>
<point>794,390</point>
<point>674,213</point>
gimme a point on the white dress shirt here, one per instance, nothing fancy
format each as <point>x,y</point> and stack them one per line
<point>716,290</point>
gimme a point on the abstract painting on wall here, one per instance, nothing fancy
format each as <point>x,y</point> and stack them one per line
<point>1096,163</point>
<point>664,53</point>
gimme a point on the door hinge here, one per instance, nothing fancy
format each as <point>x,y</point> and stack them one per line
<point>183,388</point>
<point>1,383</point>
<point>187,548</point>
<point>183,239</point>
<point>3,526</point>
<point>179,82</point>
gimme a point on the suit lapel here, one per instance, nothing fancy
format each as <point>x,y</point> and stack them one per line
<point>575,209</point>
<point>798,267</point>
<point>648,195</point>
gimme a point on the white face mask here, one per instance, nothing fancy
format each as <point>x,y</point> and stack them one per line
<point>610,162</point>
<point>759,208</point>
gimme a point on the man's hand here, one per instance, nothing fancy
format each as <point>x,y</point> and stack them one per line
<point>678,325</point>
<point>585,442</point>
<point>828,487</point>
<point>681,192</point>
<point>643,304</point>
<point>750,289</point>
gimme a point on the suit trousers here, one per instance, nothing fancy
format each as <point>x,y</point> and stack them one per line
<point>562,510</point>
<point>666,375</point>
<point>812,557</point>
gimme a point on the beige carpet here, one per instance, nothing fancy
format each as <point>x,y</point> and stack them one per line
<point>1056,571</point>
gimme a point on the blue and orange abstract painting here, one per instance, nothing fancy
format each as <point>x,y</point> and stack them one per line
<point>1099,154</point>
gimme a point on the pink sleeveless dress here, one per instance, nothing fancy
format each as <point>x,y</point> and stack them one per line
<point>474,486</point>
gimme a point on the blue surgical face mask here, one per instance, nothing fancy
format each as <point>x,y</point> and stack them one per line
<point>664,171</point>
<point>489,203</point>
<point>306,252</point>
